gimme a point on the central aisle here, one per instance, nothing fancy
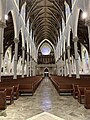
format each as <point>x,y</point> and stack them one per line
<point>46,99</point>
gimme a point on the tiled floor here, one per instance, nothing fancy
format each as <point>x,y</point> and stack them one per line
<point>45,116</point>
<point>45,99</point>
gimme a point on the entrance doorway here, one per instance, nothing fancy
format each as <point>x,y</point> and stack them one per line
<point>46,73</point>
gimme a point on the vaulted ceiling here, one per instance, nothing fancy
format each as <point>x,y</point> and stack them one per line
<point>45,17</point>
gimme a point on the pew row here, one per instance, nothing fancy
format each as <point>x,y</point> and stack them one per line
<point>73,85</point>
<point>26,85</point>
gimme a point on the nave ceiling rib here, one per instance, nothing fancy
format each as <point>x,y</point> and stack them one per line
<point>45,17</point>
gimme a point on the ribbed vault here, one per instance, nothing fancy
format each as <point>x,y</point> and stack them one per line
<point>45,20</point>
<point>45,17</point>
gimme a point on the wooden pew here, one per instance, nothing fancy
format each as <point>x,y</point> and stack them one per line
<point>87,99</point>
<point>3,99</point>
<point>72,81</point>
<point>27,84</point>
<point>75,91</point>
<point>66,88</point>
<point>26,88</point>
<point>9,93</point>
<point>9,84</point>
<point>81,92</point>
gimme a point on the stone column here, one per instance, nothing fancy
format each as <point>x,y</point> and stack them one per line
<point>64,54</point>
<point>27,64</point>
<point>61,64</point>
<point>31,65</point>
<point>69,63</point>
<point>58,67</point>
<point>15,57</point>
<point>2,26</point>
<point>34,68</point>
<point>76,57</point>
<point>23,60</point>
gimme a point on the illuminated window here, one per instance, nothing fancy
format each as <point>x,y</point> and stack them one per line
<point>45,49</point>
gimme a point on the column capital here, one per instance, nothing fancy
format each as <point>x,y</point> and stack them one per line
<point>16,40</point>
<point>68,47</point>
<point>87,22</point>
<point>27,53</point>
<point>23,48</point>
<point>75,39</point>
<point>2,24</point>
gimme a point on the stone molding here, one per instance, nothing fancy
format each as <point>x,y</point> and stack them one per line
<point>75,39</point>
<point>16,40</point>
<point>27,53</point>
<point>23,48</point>
<point>87,23</point>
<point>2,24</point>
<point>68,47</point>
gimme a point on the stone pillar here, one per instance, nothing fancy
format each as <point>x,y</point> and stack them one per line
<point>58,67</point>
<point>64,54</point>
<point>61,65</point>
<point>34,68</point>
<point>23,60</point>
<point>27,64</point>
<point>76,57</point>
<point>15,57</point>
<point>2,26</point>
<point>69,63</point>
<point>31,65</point>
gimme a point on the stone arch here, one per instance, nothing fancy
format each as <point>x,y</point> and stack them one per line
<point>46,72</point>
<point>10,6</point>
<point>9,35</point>
<point>82,31</point>
<point>14,21</point>
<point>22,12</point>
<point>75,17</point>
<point>43,42</point>
<point>7,62</point>
<point>85,60</point>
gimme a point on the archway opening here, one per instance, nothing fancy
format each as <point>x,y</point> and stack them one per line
<point>46,73</point>
<point>46,54</point>
<point>83,45</point>
<point>8,45</point>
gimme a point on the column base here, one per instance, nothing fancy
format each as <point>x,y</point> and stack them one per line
<point>77,76</point>
<point>15,77</point>
<point>22,76</point>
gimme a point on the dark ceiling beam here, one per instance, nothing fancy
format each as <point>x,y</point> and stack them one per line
<point>48,32</point>
<point>48,24</point>
<point>47,37</point>
<point>58,8</point>
<point>34,6</point>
